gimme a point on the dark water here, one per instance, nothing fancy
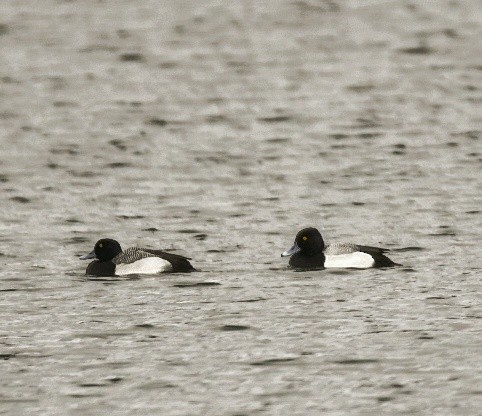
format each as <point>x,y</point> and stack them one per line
<point>218,130</point>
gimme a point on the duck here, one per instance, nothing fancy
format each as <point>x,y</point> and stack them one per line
<point>310,252</point>
<point>111,260</point>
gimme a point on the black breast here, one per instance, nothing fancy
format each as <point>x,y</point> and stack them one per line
<point>101,268</point>
<point>300,261</point>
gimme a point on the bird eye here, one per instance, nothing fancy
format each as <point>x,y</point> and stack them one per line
<point>101,245</point>
<point>305,238</point>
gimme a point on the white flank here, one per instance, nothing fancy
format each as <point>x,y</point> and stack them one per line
<point>149,265</point>
<point>356,260</point>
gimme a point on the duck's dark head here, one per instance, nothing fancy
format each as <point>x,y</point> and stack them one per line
<point>308,242</point>
<point>104,250</point>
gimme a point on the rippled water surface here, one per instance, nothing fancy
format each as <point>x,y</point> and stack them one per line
<point>218,130</point>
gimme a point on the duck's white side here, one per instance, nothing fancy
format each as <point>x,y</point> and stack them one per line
<point>355,260</point>
<point>148,265</point>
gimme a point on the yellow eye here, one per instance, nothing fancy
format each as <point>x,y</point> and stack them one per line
<point>305,238</point>
<point>101,245</point>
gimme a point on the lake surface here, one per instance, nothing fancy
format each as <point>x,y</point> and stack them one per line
<point>218,130</point>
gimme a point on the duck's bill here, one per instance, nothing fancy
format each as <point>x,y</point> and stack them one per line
<point>291,251</point>
<point>89,256</point>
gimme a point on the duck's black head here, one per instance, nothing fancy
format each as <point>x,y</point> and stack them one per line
<point>104,250</point>
<point>308,242</point>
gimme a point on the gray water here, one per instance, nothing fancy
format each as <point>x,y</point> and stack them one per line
<point>218,130</point>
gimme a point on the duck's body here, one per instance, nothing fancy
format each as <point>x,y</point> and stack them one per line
<point>310,252</point>
<point>110,260</point>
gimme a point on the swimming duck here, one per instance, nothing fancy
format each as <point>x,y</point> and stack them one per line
<point>110,260</point>
<point>309,252</point>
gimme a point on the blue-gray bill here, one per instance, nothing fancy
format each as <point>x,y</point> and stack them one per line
<point>89,256</point>
<point>291,251</point>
